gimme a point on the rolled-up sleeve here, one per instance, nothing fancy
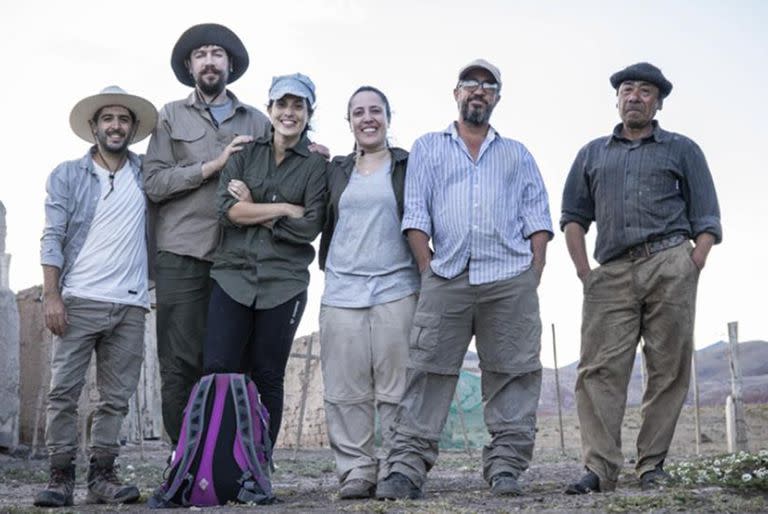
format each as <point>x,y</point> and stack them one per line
<point>535,201</point>
<point>164,177</point>
<point>700,194</point>
<point>52,242</point>
<point>578,205</point>
<point>305,229</point>
<point>224,201</point>
<point>417,191</point>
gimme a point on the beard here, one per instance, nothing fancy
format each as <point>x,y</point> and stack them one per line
<point>102,139</point>
<point>211,88</point>
<point>474,115</point>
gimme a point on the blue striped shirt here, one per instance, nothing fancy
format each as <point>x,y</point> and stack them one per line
<point>481,213</point>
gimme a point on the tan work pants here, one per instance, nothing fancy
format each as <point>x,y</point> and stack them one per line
<point>654,298</point>
<point>364,353</point>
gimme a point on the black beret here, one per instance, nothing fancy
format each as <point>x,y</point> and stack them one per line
<point>208,34</point>
<point>646,72</point>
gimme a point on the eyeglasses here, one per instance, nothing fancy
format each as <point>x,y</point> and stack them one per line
<point>471,85</point>
<point>111,184</point>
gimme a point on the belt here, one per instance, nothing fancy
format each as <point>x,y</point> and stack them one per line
<point>650,247</point>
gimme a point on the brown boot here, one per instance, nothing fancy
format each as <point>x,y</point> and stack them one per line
<point>60,487</point>
<point>104,486</point>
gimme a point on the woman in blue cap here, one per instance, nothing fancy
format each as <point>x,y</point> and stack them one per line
<point>371,281</point>
<point>271,203</point>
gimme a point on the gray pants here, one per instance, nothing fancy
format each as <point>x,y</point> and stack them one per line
<point>364,354</point>
<point>116,333</point>
<point>653,298</point>
<point>504,318</point>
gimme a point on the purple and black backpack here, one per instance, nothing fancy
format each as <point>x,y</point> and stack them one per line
<point>224,453</point>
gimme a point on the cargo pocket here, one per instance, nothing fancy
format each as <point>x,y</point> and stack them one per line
<point>424,334</point>
<point>188,143</point>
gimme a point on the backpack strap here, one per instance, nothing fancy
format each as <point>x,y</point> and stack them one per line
<point>194,429</point>
<point>244,421</point>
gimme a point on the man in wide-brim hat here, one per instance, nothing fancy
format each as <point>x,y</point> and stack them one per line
<point>95,289</point>
<point>193,139</point>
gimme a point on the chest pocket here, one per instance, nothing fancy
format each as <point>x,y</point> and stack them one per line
<point>258,190</point>
<point>291,191</point>
<point>188,143</point>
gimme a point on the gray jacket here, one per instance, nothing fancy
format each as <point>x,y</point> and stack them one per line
<point>73,191</point>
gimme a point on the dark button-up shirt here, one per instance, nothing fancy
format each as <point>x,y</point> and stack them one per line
<point>255,265</point>
<point>640,191</point>
<point>186,136</point>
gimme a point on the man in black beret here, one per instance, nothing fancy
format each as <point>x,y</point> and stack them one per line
<point>193,139</point>
<point>650,193</point>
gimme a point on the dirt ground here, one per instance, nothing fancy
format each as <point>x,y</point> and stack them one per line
<point>305,480</point>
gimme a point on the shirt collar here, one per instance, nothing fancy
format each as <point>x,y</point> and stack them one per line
<point>658,135</point>
<point>452,131</point>
<point>194,101</point>
<point>87,161</point>
<point>301,148</point>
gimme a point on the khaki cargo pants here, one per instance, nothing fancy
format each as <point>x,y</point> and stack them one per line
<point>504,318</point>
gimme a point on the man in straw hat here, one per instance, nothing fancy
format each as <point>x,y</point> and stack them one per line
<point>95,289</point>
<point>190,146</point>
<point>650,193</point>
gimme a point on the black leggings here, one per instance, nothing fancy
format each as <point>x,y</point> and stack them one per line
<point>258,342</point>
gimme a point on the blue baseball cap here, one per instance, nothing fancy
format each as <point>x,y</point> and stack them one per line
<point>295,84</point>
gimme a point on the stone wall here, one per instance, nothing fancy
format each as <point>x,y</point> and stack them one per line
<point>9,350</point>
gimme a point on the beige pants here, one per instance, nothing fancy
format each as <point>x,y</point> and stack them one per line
<point>653,298</point>
<point>116,333</point>
<point>364,353</point>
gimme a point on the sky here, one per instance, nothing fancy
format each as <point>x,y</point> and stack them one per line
<point>555,58</point>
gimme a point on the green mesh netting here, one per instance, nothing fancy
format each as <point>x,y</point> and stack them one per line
<point>465,424</point>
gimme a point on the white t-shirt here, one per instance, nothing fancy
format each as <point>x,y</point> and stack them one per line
<point>112,265</point>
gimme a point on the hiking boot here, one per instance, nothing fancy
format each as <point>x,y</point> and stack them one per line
<point>356,489</point>
<point>104,486</point>
<point>397,487</point>
<point>589,483</point>
<point>505,484</point>
<point>654,478</point>
<point>61,487</point>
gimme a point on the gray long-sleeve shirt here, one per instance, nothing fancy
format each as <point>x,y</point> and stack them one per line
<point>640,191</point>
<point>186,136</point>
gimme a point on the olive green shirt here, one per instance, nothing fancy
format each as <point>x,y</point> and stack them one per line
<point>186,136</point>
<point>264,267</point>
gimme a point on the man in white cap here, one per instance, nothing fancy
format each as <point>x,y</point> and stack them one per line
<point>480,198</point>
<point>190,146</point>
<point>95,289</point>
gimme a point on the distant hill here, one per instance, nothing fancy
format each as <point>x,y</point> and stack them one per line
<point>713,370</point>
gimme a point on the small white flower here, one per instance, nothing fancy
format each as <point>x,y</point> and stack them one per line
<point>746,477</point>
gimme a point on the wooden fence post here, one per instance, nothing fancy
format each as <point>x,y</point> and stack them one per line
<point>304,392</point>
<point>736,424</point>
<point>557,389</point>
<point>697,420</point>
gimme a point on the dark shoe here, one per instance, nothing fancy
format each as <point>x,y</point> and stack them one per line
<point>61,487</point>
<point>397,487</point>
<point>589,483</point>
<point>654,478</point>
<point>357,489</point>
<point>505,484</point>
<point>104,486</point>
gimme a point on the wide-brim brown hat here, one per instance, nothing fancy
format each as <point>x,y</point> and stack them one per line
<point>208,34</point>
<point>84,110</point>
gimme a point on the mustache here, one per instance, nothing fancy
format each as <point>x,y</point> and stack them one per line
<point>114,132</point>
<point>210,68</point>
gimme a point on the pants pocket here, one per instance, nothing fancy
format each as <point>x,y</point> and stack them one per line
<point>425,331</point>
